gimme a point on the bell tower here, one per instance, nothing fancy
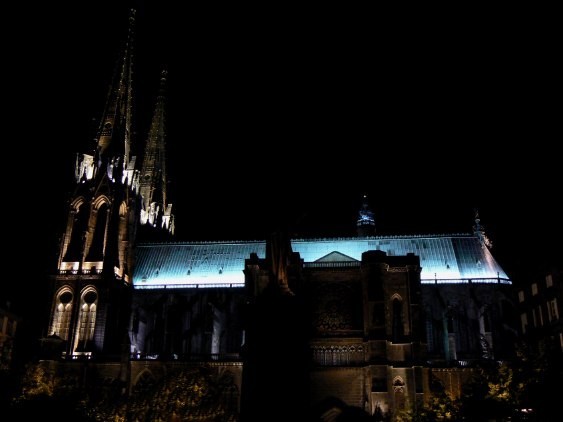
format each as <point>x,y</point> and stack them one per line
<point>93,277</point>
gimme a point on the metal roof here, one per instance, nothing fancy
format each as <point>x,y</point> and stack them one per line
<point>443,258</point>
<point>178,265</point>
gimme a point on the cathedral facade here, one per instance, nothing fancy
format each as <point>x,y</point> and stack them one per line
<point>370,321</point>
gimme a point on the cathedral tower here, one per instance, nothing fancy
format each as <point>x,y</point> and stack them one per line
<point>93,279</point>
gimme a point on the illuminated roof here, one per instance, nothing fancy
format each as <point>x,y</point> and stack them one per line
<point>444,259</point>
<point>180,265</point>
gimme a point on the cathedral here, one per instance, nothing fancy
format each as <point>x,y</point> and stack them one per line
<point>375,322</point>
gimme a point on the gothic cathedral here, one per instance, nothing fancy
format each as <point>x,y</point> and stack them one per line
<point>374,322</point>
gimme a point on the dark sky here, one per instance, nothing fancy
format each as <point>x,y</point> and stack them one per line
<point>274,120</point>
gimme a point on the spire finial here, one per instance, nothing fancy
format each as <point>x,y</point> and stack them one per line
<point>479,231</point>
<point>366,221</point>
<point>131,27</point>
<point>477,226</point>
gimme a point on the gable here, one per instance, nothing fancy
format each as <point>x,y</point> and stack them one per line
<point>336,257</point>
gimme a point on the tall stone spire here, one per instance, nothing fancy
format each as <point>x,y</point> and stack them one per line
<point>93,281</point>
<point>117,113</point>
<point>98,228</point>
<point>156,211</point>
<point>113,141</point>
<point>366,221</point>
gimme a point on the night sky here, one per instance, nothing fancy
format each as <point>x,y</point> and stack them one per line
<point>287,122</point>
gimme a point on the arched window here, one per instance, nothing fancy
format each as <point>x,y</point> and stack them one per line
<point>399,393</point>
<point>145,382</point>
<point>86,321</point>
<point>397,320</point>
<point>96,252</point>
<point>122,236</point>
<point>485,319</point>
<point>60,321</point>
<point>429,332</point>
<point>79,225</point>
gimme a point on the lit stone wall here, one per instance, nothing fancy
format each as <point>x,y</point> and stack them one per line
<point>345,383</point>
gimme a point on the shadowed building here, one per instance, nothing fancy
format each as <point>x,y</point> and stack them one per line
<point>539,308</point>
<point>8,326</point>
<point>373,321</point>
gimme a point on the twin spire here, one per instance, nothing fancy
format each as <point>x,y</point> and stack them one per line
<point>113,152</point>
<point>156,211</point>
<point>113,161</point>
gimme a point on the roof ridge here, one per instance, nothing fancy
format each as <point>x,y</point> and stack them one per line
<point>310,239</point>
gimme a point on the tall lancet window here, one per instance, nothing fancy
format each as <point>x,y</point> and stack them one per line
<point>60,322</point>
<point>397,320</point>
<point>96,252</point>
<point>79,224</point>
<point>122,238</point>
<point>86,321</point>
